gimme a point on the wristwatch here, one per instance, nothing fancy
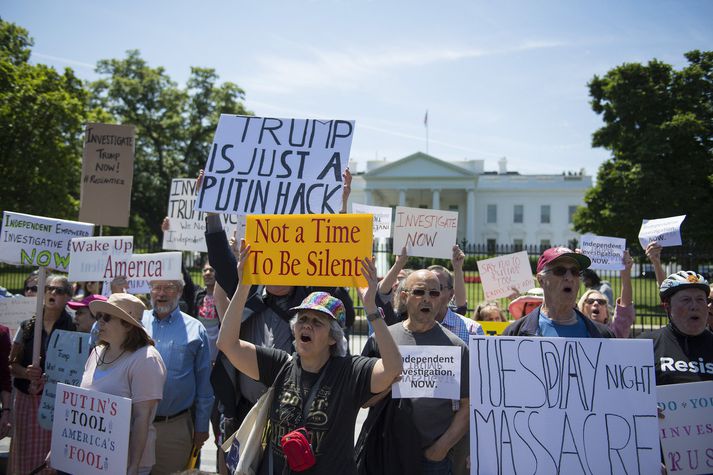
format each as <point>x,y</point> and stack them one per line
<point>378,314</point>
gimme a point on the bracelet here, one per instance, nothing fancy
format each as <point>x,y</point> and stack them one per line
<point>376,315</point>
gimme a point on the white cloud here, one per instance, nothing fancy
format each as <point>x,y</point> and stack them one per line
<point>58,59</point>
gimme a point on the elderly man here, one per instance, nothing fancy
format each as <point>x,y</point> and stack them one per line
<point>558,272</point>
<point>683,349</point>
<point>416,435</point>
<point>183,344</point>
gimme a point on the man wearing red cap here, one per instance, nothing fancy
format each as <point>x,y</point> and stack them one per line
<point>558,272</point>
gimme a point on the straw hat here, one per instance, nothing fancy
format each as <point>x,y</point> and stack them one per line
<point>124,306</point>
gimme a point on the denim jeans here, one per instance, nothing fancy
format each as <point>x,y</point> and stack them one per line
<point>436,468</point>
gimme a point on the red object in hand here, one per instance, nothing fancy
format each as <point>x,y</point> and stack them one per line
<point>298,450</point>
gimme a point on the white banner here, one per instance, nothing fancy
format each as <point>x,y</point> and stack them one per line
<point>425,232</point>
<point>382,218</point>
<point>157,266</point>
<point>15,310</point>
<point>133,286</point>
<point>429,371</point>
<point>665,231</point>
<point>500,275</point>
<point>606,253</point>
<point>686,431</point>
<point>266,165</point>
<point>92,433</point>
<point>38,241</point>
<point>90,257</point>
<point>562,405</point>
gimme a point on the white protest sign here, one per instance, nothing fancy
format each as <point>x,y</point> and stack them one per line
<point>133,286</point>
<point>382,218</point>
<point>429,371</point>
<point>665,231</point>
<point>686,431</point>
<point>91,257</point>
<point>91,431</point>
<point>501,274</point>
<point>38,241</point>
<point>606,253</point>
<point>156,266</point>
<point>14,311</point>
<point>425,232</point>
<point>67,353</point>
<point>266,165</point>
<point>186,231</point>
<point>562,405</point>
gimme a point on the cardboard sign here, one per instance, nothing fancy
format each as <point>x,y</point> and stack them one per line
<point>606,253</point>
<point>91,258</point>
<point>313,249</point>
<point>91,431</point>
<point>425,232</point>
<point>494,328</point>
<point>500,274</point>
<point>186,225</point>
<point>135,286</point>
<point>265,165</point>
<point>562,405</point>
<point>156,266</point>
<point>67,353</point>
<point>382,218</point>
<point>38,241</point>
<point>15,310</point>
<point>429,371</point>
<point>686,431</point>
<point>665,231</point>
<point>107,174</point>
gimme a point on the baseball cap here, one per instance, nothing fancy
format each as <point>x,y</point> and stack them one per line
<point>85,301</point>
<point>552,254</point>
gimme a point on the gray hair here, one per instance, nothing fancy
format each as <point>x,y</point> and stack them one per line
<point>336,333</point>
<point>63,282</point>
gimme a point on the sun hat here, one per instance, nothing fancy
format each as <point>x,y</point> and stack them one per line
<point>76,305</point>
<point>124,306</point>
<point>532,298</point>
<point>324,303</point>
<point>552,254</point>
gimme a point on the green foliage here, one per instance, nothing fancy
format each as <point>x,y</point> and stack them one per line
<point>658,125</point>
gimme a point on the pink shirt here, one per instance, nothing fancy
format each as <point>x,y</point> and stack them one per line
<point>138,376</point>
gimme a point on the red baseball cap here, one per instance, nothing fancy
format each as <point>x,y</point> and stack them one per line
<point>552,254</point>
<point>85,301</point>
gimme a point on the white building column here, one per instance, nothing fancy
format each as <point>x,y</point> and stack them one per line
<point>435,199</point>
<point>470,217</point>
<point>367,197</point>
<point>402,197</point>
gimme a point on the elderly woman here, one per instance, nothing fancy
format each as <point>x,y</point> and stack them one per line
<point>125,363</point>
<point>596,305</point>
<point>319,389</point>
<point>489,312</point>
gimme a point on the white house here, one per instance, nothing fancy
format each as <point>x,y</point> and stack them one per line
<point>494,207</point>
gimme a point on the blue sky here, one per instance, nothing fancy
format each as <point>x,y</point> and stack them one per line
<point>498,78</point>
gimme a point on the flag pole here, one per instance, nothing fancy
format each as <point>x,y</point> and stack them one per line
<point>425,122</point>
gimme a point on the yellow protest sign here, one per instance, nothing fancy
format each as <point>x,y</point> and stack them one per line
<point>308,249</point>
<point>494,328</point>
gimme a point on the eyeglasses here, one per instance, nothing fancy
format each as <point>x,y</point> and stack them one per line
<point>57,290</point>
<point>560,271</point>
<point>599,301</point>
<point>164,288</point>
<point>422,292</point>
<point>32,288</point>
<point>105,317</point>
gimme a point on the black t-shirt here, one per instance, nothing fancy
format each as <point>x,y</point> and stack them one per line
<point>331,418</point>
<point>680,358</point>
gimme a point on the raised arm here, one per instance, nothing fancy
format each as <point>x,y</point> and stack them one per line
<point>346,189</point>
<point>387,283</point>
<point>390,365</point>
<point>653,252</point>
<point>221,301</point>
<point>627,296</point>
<point>458,277</point>
<point>242,354</point>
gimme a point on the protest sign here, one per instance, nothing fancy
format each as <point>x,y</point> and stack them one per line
<point>38,241</point>
<point>133,286</point>
<point>91,431</point>
<point>107,174</point>
<point>494,328</point>
<point>14,311</point>
<point>562,405</point>
<point>429,372</point>
<point>606,253</point>
<point>90,256</point>
<point>67,353</point>
<point>665,231</point>
<point>382,218</point>
<point>312,249</point>
<point>265,165</point>
<point>686,431</point>
<point>425,232</point>
<point>186,231</point>
<point>156,266</point>
<point>499,275</point>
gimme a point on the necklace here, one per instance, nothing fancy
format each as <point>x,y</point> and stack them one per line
<point>103,362</point>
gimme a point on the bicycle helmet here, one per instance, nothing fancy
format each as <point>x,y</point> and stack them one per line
<point>685,279</point>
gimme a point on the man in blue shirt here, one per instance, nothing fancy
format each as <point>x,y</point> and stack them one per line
<point>183,343</point>
<point>558,273</point>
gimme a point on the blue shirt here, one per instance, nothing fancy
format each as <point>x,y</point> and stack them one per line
<point>462,326</point>
<point>550,328</point>
<point>183,344</point>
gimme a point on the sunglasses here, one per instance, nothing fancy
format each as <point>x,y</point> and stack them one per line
<point>599,301</point>
<point>32,288</point>
<point>105,317</point>
<point>560,271</point>
<point>57,290</point>
<point>422,292</point>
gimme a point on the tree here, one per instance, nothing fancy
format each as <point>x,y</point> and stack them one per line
<point>174,126</point>
<point>658,125</point>
<point>42,113</point>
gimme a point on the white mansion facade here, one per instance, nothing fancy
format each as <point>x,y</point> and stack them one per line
<point>494,207</point>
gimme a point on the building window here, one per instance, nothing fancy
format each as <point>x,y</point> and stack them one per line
<point>491,243</point>
<point>517,244</point>
<point>492,213</point>
<point>570,214</point>
<point>545,214</point>
<point>518,214</point>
